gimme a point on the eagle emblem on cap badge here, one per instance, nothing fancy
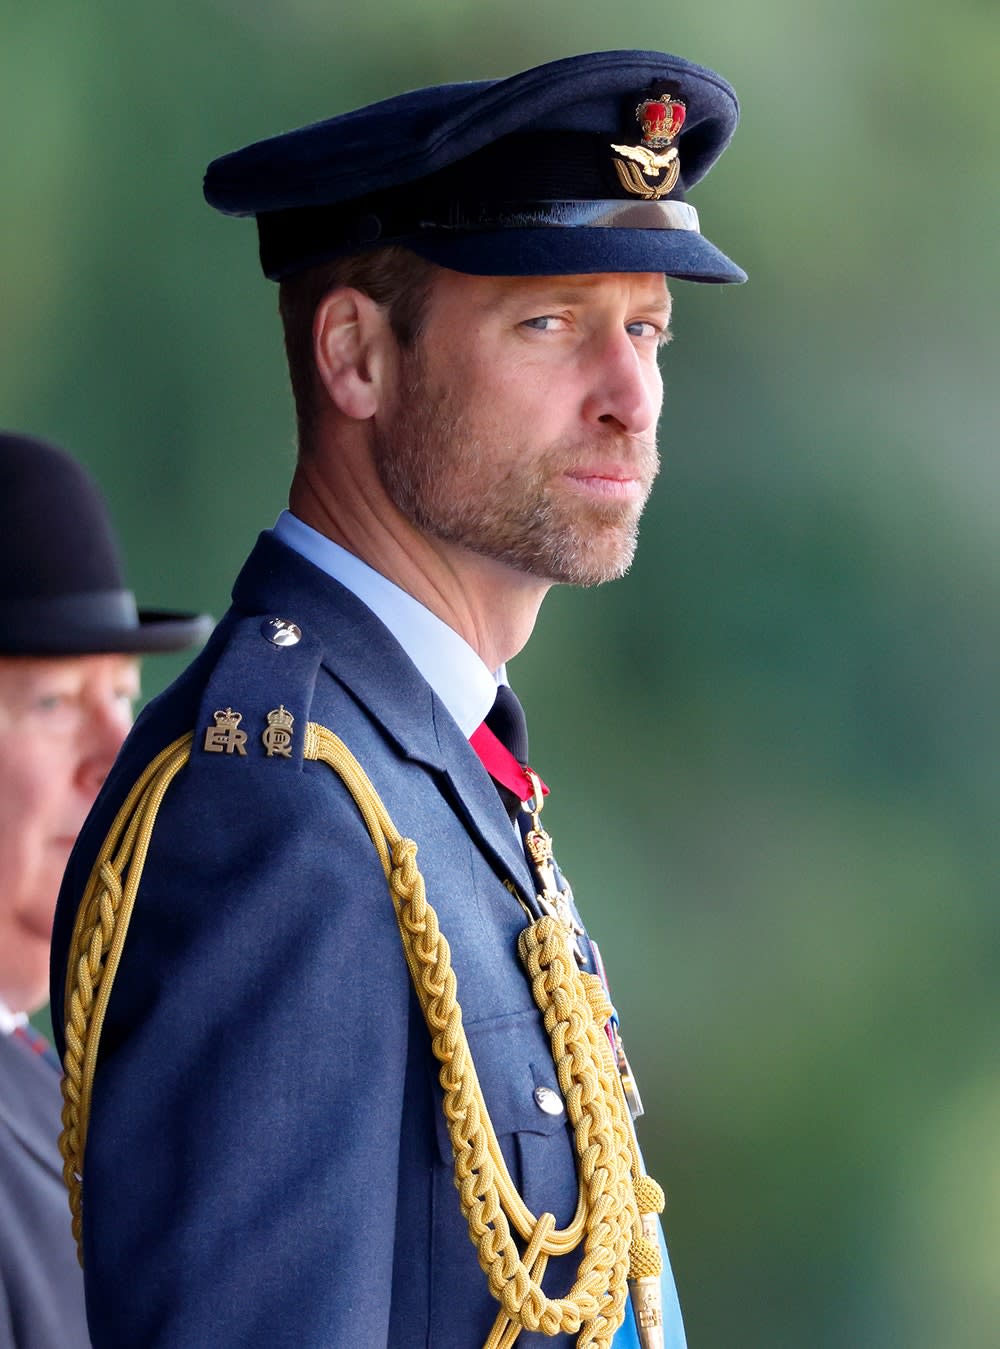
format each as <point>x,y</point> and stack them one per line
<point>651,170</point>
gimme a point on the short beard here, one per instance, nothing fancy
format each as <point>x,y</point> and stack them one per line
<point>438,466</point>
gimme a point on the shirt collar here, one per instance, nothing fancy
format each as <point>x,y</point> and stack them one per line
<point>9,1021</point>
<point>453,669</point>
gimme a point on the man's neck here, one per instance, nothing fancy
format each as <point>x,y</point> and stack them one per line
<point>489,604</point>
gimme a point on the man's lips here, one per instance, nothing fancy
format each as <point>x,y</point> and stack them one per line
<point>609,480</point>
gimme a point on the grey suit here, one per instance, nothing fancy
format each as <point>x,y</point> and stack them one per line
<point>41,1286</point>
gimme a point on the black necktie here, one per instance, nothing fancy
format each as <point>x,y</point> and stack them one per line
<point>507,722</point>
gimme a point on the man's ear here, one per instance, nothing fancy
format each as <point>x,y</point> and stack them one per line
<point>350,335</point>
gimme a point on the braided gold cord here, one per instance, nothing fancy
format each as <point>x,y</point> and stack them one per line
<point>95,948</point>
<point>606,1211</point>
<point>607,1222</point>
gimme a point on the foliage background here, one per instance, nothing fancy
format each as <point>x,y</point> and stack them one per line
<point>775,743</point>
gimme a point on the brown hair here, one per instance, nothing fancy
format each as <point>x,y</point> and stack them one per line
<point>392,276</point>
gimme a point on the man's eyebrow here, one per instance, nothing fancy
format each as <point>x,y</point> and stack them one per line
<point>581,291</point>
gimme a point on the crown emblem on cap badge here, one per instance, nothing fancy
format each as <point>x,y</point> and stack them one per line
<point>651,170</point>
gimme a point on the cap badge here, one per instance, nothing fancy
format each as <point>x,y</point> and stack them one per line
<point>651,170</point>
<point>278,736</point>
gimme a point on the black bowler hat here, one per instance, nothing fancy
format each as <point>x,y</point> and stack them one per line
<point>62,585</point>
<point>580,165</point>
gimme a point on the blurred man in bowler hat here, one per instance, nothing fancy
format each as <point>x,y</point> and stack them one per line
<point>341,1093</point>
<point>70,641</point>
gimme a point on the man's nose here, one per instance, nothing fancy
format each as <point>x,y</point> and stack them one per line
<point>106,727</point>
<point>627,389</point>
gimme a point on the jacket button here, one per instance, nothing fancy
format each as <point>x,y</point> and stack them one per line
<point>548,1100</point>
<point>281,632</point>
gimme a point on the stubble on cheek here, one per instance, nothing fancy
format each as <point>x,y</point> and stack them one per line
<point>467,484</point>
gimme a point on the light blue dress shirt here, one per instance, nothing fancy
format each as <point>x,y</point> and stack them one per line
<point>467,688</point>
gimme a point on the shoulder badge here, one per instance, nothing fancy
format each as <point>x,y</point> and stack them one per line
<point>277,737</point>
<point>225,737</point>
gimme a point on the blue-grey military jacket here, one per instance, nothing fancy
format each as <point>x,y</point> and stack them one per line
<point>267,1159</point>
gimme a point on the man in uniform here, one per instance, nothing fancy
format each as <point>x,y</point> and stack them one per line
<point>326,1090</point>
<point>70,641</point>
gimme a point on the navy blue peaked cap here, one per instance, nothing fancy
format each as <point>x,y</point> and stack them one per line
<point>581,165</point>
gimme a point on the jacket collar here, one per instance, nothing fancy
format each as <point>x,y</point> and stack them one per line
<point>278,580</point>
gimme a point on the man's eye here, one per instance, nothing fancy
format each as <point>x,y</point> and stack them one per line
<point>51,702</point>
<point>641,328</point>
<point>543,323</point>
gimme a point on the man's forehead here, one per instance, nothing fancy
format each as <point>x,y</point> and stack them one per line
<point>22,674</point>
<point>647,288</point>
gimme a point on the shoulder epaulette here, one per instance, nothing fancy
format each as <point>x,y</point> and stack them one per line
<point>257,699</point>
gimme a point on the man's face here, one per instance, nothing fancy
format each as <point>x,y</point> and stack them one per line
<point>525,427</point>
<point>62,721</point>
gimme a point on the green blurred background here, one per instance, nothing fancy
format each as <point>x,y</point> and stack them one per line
<point>774,746</point>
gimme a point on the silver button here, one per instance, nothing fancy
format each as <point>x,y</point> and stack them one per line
<point>548,1100</point>
<point>281,632</point>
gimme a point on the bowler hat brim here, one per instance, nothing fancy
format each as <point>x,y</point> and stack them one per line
<point>97,625</point>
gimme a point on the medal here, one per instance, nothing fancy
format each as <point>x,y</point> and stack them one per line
<point>553,899</point>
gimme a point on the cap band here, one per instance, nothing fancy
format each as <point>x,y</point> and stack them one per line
<point>622,215</point>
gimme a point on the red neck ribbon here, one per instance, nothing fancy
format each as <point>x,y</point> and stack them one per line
<point>501,765</point>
